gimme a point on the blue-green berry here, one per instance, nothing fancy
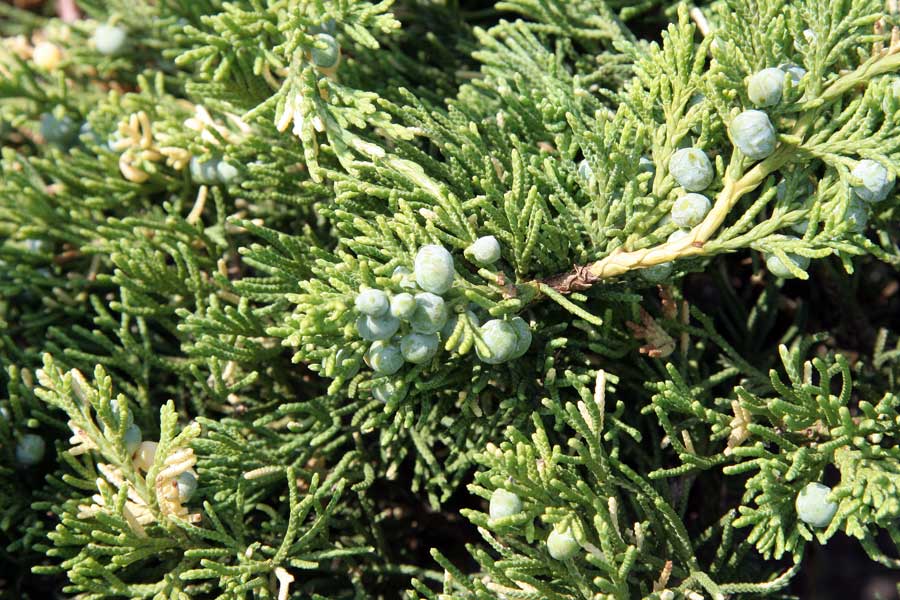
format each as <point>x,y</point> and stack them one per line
<point>585,171</point>
<point>404,277</point>
<point>656,273</point>
<point>504,504</point>
<point>813,506</point>
<point>132,438</point>
<point>691,169</point>
<point>110,39</point>
<point>377,328</point>
<point>645,165</point>
<point>204,172</point>
<point>116,410</point>
<point>227,173</point>
<point>345,360</point>
<point>430,314</point>
<point>327,52</point>
<point>523,336</point>
<point>386,391</point>
<point>4,413</point>
<point>795,72</point>
<point>384,358</point>
<point>485,250</point>
<point>30,450</point>
<point>690,210</point>
<point>857,216</point>
<point>362,328</point>
<point>372,302</point>
<point>777,267</point>
<point>403,306</point>
<point>501,340</point>
<point>327,26</point>
<point>187,485</point>
<point>562,545</point>
<point>753,134</point>
<point>433,268</point>
<point>765,87</point>
<point>60,131</point>
<point>677,235</point>
<point>872,181</point>
<point>419,348</point>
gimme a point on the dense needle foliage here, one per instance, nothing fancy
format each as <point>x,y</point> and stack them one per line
<point>445,299</point>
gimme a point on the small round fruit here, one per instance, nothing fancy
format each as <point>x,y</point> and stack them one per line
<point>753,134</point>
<point>187,485</point>
<point>4,413</point>
<point>430,314</point>
<point>562,545</point>
<point>777,267</point>
<point>110,39</point>
<point>116,410</point>
<point>857,216</point>
<point>344,359</point>
<point>378,328</point>
<point>796,73</point>
<point>485,250</point>
<point>765,87</point>
<point>60,131</point>
<point>30,450</point>
<point>585,171</point>
<point>132,438</point>
<point>403,306</point>
<point>690,210</point>
<point>386,391</point>
<point>46,55</point>
<point>504,504</point>
<point>404,277</point>
<point>384,358</point>
<point>873,182</point>
<point>691,169</point>
<point>813,506</point>
<point>656,273</point>
<point>501,340</point>
<point>419,348</point>
<point>677,235</point>
<point>143,457</point>
<point>372,302</point>
<point>645,165</point>
<point>433,268</point>
<point>326,54</point>
<point>227,173</point>
<point>523,336</point>
<point>204,172</point>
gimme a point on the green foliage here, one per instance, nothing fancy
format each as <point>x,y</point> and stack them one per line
<point>191,216</point>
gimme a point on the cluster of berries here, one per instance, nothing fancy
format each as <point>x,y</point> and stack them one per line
<point>408,327</point>
<point>144,453</point>
<point>754,135</point>
<point>561,543</point>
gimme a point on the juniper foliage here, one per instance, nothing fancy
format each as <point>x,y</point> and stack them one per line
<point>189,216</point>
